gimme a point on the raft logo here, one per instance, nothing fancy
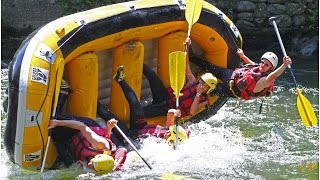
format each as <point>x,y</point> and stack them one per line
<point>40,75</point>
<point>32,156</point>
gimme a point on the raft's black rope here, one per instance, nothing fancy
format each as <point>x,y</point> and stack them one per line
<point>44,100</point>
<point>47,91</point>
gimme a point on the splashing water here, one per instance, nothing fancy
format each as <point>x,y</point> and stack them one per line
<point>236,143</point>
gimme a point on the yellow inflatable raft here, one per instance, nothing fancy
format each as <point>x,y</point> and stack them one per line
<point>92,44</point>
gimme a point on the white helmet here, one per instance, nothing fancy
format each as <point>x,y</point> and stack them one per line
<point>272,57</point>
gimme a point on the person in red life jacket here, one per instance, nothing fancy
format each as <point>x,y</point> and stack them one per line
<point>138,123</point>
<point>250,80</point>
<point>83,139</point>
<point>92,144</point>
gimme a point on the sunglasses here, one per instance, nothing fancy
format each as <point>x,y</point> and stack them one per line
<point>263,61</point>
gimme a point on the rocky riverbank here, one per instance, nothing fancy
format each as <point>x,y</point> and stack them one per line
<point>297,22</point>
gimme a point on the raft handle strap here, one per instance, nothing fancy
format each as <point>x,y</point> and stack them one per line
<point>83,23</point>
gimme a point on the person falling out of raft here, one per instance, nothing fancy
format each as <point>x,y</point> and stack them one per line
<point>250,80</point>
<point>90,143</point>
<point>138,121</point>
<point>194,94</point>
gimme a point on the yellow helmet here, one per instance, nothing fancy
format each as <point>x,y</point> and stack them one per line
<point>211,80</point>
<point>182,134</point>
<point>102,163</point>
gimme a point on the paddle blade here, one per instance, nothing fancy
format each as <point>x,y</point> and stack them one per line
<point>193,10</point>
<point>58,84</point>
<point>177,69</point>
<point>305,109</point>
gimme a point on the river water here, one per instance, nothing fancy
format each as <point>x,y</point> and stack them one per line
<point>236,143</point>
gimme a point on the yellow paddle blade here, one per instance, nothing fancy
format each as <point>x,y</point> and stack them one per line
<point>58,84</point>
<point>193,10</point>
<point>177,69</point>
<point>306,112</point>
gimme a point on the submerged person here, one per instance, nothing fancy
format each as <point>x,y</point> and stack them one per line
<point>138,121</point>
<point>250,80</point>
<point>92,144</point>
<point>83,139</point>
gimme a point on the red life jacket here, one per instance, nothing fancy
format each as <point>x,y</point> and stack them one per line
<point>152,130</point>
<point>156,130</point>
<point>83,150</point>
<point>185,101</point>
<point>246,78</point>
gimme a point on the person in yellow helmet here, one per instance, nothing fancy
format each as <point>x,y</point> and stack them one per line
<point>194,93</point>
<point>139,128</point>
<point>83,139</point>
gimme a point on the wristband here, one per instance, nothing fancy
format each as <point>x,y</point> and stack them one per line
<point>198,94</point>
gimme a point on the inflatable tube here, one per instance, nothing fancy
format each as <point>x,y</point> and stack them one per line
<point>93,44</point>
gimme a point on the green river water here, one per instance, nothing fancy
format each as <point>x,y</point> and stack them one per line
<point>236,143</point>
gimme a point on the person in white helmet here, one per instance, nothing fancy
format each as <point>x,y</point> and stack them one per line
<point>250,80</point>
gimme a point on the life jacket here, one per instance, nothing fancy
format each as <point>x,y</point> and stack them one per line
<point>246,78</point>
<point>157,131</point>
<point>152,130</point>
<point>82,148</point>
<point>185,101</point>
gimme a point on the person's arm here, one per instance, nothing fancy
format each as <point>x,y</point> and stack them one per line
<point>244,57</point>
<point>172,113</point>
<point>265,82</point>
<point>95,140</point>
<point>111,124</point>
<point>195,106</point>
<point>190,76</point>
<point>276,73</point>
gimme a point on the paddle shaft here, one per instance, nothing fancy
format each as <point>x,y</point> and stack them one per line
<point>177,123</point>
<point>135,149</point>
<point>283,50</point>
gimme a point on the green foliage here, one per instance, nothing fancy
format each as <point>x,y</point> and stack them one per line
<point>312,21</point>
<point>73,6</point>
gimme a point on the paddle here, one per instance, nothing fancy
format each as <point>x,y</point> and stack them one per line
<point>306,112</point>
<point>55,102</point>
<point>127,139</point>
<point>192,14</point>
<point>177,69</point>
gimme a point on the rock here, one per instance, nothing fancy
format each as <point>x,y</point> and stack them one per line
<point>245,16</point>
<point>261,11</point>
<point>246,6</point>
<point>310,46</point>
<point>277,9</point>
<point>284,21</point>
<point>244,24</point>
<point>298,20</point>
<point>294,8</point>
<point>277,1</point>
